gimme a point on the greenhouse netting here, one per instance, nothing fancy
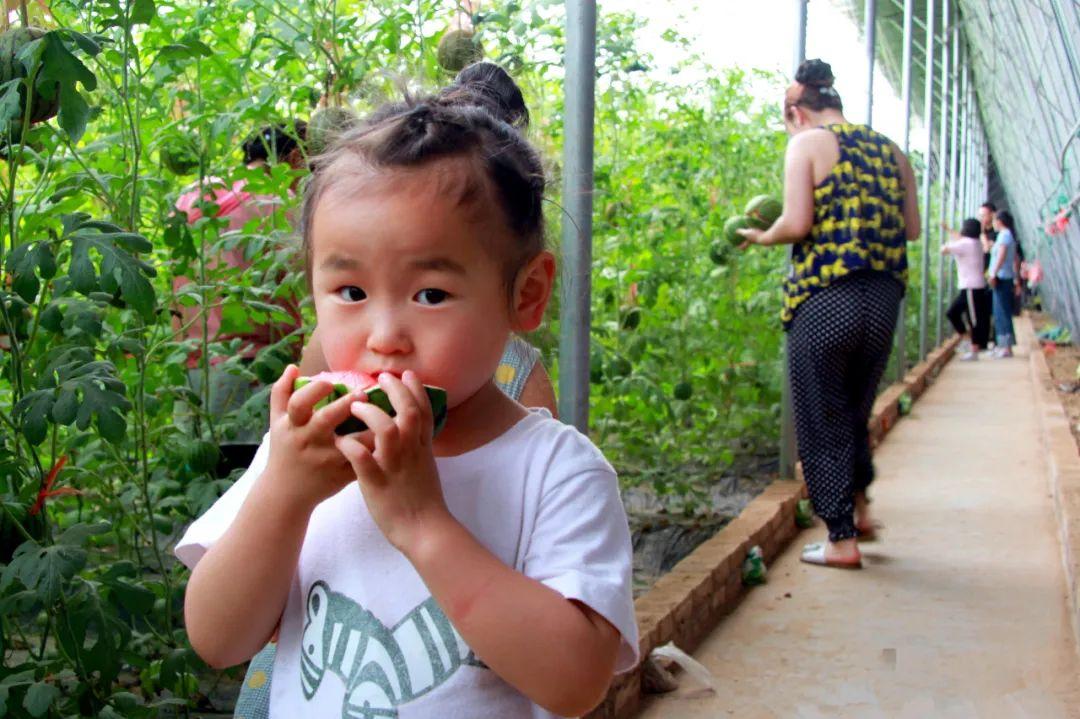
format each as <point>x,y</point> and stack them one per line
<point>1019,60</point>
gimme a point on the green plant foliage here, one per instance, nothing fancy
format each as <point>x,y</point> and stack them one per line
<point>109,450</point>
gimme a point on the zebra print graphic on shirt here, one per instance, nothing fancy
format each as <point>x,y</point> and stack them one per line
<point>381,668</point>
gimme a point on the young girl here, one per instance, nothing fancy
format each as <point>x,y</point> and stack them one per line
<point>485,573</point>
<point>969,313</point>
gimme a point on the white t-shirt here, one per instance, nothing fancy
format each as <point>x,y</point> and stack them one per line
<point>969,262</point>
<point>360,625</point>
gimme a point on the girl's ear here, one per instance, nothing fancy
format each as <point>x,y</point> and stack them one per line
<point>532,290</point>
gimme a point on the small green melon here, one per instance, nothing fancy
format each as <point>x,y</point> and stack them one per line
<point>180,156</point>
<point>763,211</point>
<point>732,227</point>
<point>459,49</point>
<point>326,125</point>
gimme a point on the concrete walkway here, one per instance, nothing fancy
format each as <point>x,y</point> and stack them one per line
<point>960,611</point>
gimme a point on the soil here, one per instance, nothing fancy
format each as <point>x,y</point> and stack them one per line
<point>664,530</point>
<point>1064,360</point>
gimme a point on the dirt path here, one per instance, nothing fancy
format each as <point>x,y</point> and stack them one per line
<point>961,609</point>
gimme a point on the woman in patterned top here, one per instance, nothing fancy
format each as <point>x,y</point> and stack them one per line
<point>850,209</point>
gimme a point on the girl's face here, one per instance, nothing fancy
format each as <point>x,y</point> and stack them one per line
<point>998,225</point>
<point>405,278</point>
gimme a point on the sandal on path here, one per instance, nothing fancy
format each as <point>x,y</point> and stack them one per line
<point>815,554</point>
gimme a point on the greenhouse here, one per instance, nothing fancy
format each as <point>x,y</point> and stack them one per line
<point>495,358</point>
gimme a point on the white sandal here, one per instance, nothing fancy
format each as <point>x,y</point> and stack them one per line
<point>815,554</point>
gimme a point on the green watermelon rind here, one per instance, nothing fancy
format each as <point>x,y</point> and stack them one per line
<point>762,211</point>
<point>378,397</point>
<point>731,227</point>
<point>326,125</point>
<point>457,49</point>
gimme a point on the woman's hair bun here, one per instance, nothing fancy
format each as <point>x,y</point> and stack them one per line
<point>491,87</point>
<point>815,73</point>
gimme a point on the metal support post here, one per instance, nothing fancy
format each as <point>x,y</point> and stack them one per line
<point>909,21</point>
<point>788,450</point>
<point>800,35</point>
<point>576,319</point>
<point>953,171</point>
<point>949,41</point>
<point>928,122</point>
<point>870,22</point>
<point>964,176</point>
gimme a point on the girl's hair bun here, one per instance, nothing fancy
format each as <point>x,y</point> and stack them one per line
<point>815,73</point>
<point>489,86</point>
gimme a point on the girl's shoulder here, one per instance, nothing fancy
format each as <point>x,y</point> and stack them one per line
<point>538,439</point>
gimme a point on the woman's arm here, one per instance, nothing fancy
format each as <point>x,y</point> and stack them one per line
<point>996,263</point>
<point>795,221</point>
<point>538,391</point>
<point>912,221</point>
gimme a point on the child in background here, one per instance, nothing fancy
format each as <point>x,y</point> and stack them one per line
<point>485,573</point>
<point>969,313</point>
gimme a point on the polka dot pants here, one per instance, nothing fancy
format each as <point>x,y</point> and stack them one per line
<point>838,345</point>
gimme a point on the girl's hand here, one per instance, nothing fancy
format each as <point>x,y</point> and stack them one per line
<point>394,463</point>
<point>993,281</point>
<point>752,236</point>
<point>305,466</point>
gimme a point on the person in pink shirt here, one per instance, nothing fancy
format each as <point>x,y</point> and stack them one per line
<point>969,313</point>
<point>239,206</point>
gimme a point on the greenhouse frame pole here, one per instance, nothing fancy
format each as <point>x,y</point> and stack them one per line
<point>964,177</point>
<point>870,29</point>
<point>948,41</point>
<point>965,141</point>
<point>928,122</point>
<point>575,322</point>
<point>800,35</point>
<point>954,162</point>
<point>905,92</point>
<point>788,450</point>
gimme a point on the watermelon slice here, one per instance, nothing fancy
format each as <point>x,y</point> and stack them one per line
<point>345,382</point>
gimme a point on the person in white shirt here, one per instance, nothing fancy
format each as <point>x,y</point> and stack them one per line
<point>969,313</point>
<point>484,572</point>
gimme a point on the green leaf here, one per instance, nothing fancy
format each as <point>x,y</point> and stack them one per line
<point>39,697</point>
<point>90,45</point>
<point>112,426</point>
<point>10,103</point>
<point>45,569</point>
<point>51,318</point>
<point>142,12</point>
<point>119,269</point>
<point>60,72</point>
<point>135,599</point>
<point>77,534</point>
<point>33,412</point>
<point>64,409</point>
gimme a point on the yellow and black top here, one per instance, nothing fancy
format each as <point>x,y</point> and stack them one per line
<point>858,219</point>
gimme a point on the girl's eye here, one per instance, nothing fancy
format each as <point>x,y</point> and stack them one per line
<point>352,293</point>
<point>431,296</point>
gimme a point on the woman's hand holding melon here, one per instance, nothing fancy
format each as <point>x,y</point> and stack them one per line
<point>305,465</point>
<point>395,465</point>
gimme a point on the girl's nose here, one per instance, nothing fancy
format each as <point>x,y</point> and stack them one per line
<point>388,335</point>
